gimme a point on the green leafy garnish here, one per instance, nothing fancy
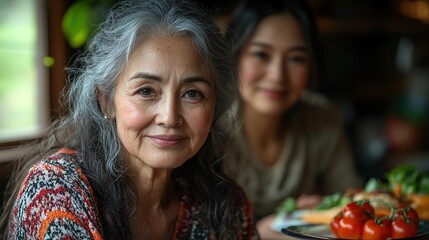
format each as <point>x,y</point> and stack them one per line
<point>374,185</point>
<point>288,205</point>
<point>423,185</point>
<point>333,200</point>
<point>408,179</point>
<point>404,173</point>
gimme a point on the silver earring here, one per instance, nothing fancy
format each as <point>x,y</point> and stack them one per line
<point>106,117</point>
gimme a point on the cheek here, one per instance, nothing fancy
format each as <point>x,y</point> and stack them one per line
<point>249,71</point>
<point>249,74</point>
<point>131,117</point>
<point>200,123</point>
<point>300,78</point>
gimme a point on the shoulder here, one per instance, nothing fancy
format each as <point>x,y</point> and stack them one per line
<point>240,196</point>
<point>316,110</point>
<point>317,101</point>
<point>59,170</point>
<point>244,213</point>
<point>55,196</point>
<point>244,206</point>
<point>193,213</point>
<point>64,160</point>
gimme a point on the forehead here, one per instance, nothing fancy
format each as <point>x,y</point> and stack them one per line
<point>168,55</point>
<point>279,28</point>
<point>162,46</point>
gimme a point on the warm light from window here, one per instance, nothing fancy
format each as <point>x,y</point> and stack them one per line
<point>23,89</point>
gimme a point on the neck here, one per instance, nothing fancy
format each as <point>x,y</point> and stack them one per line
<point>265,134</point>
<point>260,128</point>
<point>158,203</point>
<point>154,187</point>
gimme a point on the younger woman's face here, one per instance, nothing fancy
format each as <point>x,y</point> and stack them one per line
<point>274,66</point>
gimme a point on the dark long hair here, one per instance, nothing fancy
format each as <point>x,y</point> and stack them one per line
<point>85,129</point>
<point>249,14</point>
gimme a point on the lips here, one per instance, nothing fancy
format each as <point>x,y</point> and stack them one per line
<point>167,140</point>
<point>274,94</point>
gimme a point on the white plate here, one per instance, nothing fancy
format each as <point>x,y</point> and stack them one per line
<point>284,220</point>
<point>322,231</point>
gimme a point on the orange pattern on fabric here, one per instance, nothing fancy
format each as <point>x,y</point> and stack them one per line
<point>67,215</point>
<point>67,151</point>
<point>180,218</point>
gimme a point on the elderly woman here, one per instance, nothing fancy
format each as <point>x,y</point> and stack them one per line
<point>139,154</point>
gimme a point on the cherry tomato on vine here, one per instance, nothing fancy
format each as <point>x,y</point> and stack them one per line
<point>407,212</point>
<point>377,229</point>
<point>335,224</point>
<point>403,228</point>
<point>350,227</point>
<point>354,210</point>
<point>366,206</point>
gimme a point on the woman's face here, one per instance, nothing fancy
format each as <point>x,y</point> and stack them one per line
<point>164,103</point>
<point>274,66</point>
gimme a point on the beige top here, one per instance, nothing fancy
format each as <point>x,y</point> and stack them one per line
<point>315,159</point>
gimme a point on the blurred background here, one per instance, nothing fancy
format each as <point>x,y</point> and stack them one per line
<point>377,71</point>
<point>377,60</point>
<point>376,57</point>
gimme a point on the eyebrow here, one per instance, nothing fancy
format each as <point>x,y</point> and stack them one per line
<point>295,48</point>
<point>154,77</point>
<point>146,76</point>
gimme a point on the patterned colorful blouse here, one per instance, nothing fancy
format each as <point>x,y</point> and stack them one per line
<point>56,201</point>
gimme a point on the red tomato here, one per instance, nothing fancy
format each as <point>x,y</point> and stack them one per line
<point>375,230</point>
<point>350,227</point>
<point>407,212</point>
<point>401,228</point>
<point>366,206</point>
<point>353,210</point>
<point>335,224</point>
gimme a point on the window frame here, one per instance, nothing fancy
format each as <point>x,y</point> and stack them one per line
<point>53,40</point>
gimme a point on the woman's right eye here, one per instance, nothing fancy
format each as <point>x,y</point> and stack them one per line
<point>146,91</point>
<point>261,55</point>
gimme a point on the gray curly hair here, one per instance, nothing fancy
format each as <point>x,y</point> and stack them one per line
<point>84,128</point>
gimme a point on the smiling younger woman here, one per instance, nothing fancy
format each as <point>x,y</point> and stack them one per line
<point>291,143</point>
<point>274,66</point>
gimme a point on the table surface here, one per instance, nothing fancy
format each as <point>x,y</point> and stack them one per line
<point>267,232</point>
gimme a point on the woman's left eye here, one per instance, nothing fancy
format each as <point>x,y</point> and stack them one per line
<point>298,59</point>
<point>193,94</point>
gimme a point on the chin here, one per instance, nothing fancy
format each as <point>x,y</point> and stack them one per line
<point>273,111</point>
<point>169,163</point>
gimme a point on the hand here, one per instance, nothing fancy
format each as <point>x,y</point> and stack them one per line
<point>265,231</point>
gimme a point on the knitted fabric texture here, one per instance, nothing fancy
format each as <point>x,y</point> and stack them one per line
<point>56,201</point>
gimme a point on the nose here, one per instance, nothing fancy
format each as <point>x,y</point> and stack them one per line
<point>277,70</point>
<point>169,112</point>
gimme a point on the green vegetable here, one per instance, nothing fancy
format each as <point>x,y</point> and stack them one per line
<point>404,173</point>
<point>333,200</point>
<point>423,185</point>
<point>374,185</point>
<point>288,205</point>
<point>408,179</point>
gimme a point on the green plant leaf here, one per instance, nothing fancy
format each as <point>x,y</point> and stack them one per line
<point>76,23</point>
